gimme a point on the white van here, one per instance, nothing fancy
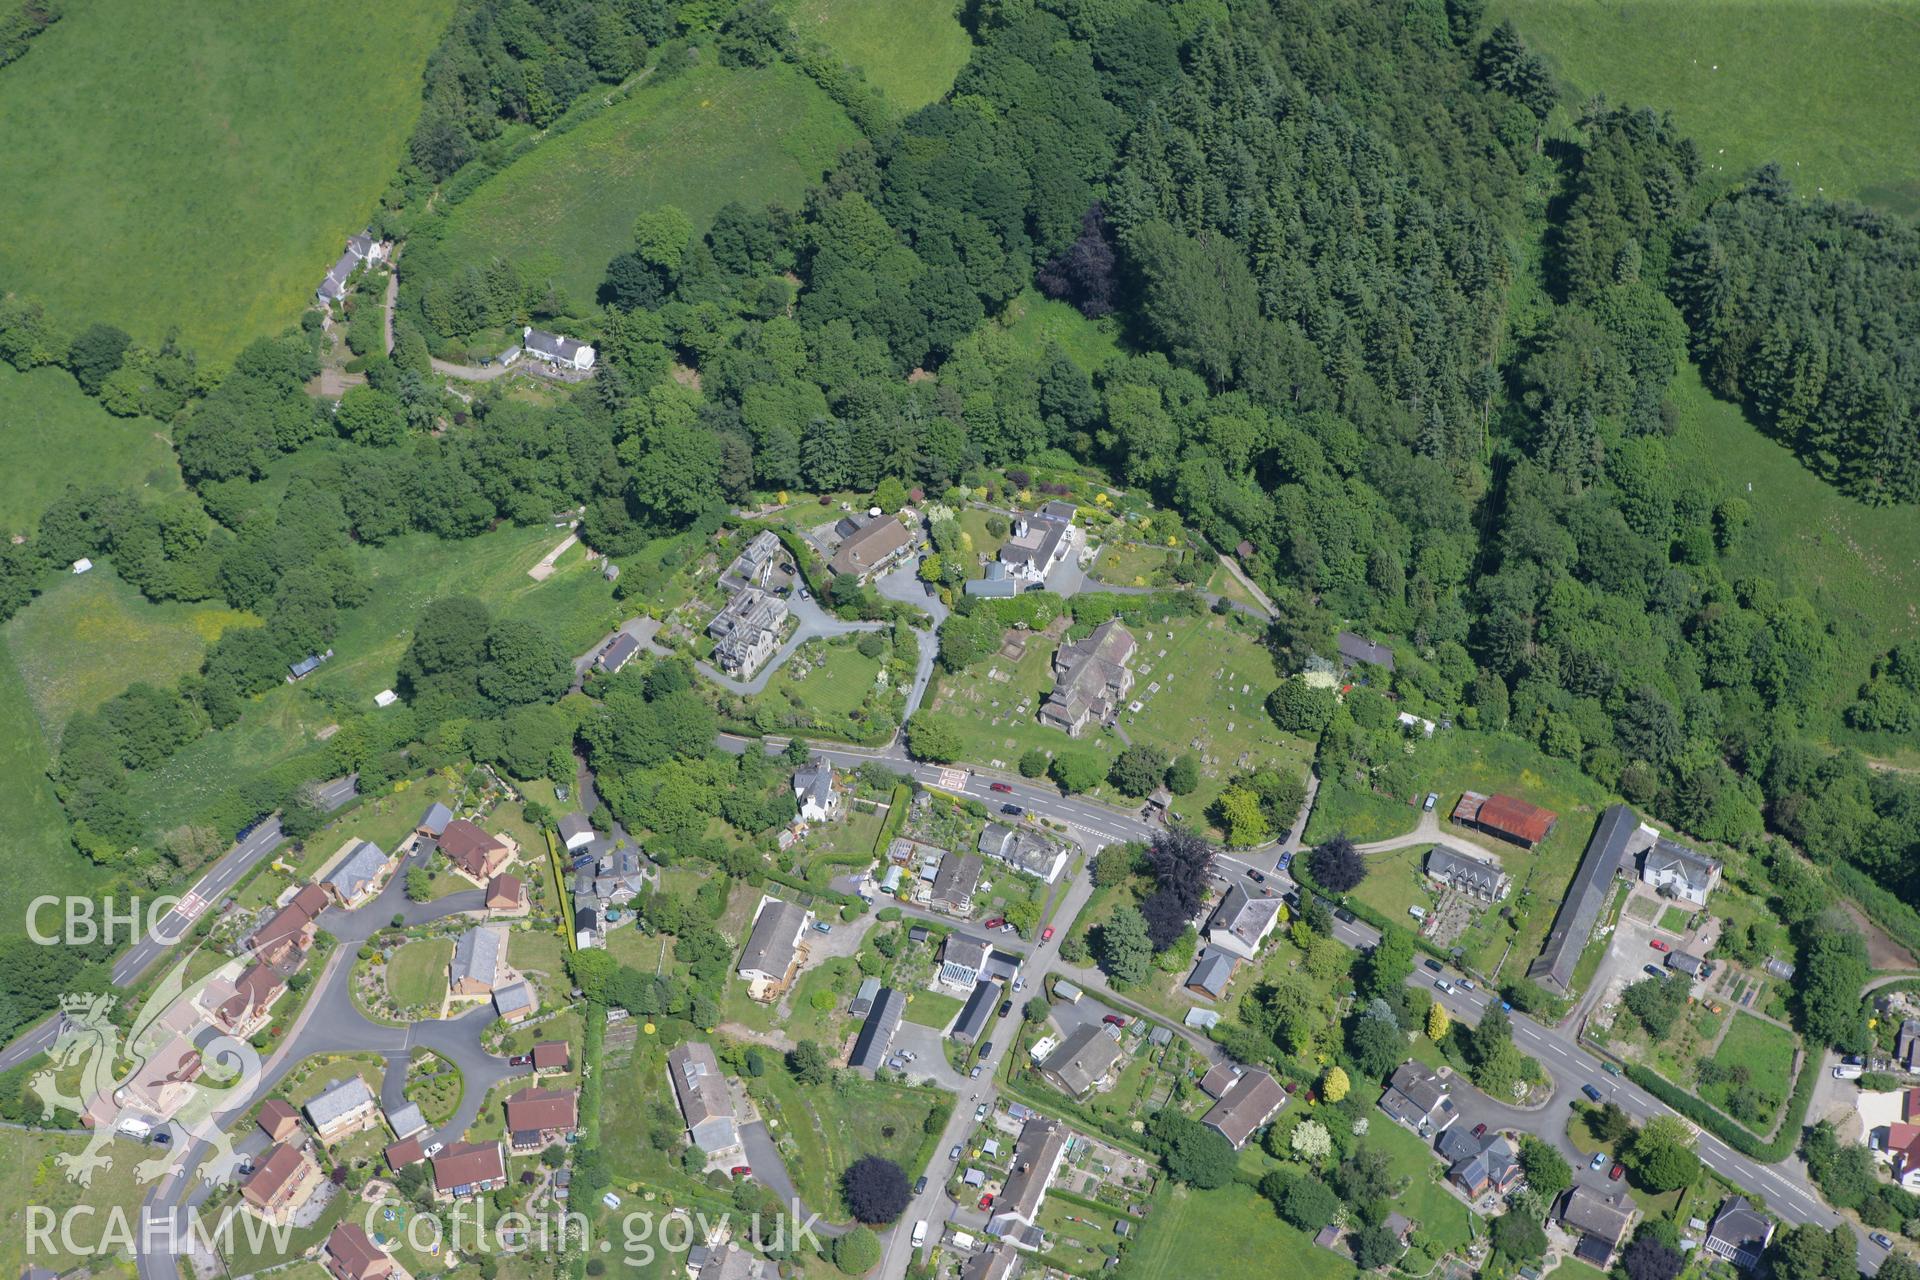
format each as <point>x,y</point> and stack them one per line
<point>919,1233</point>
<point>1848,1071</point>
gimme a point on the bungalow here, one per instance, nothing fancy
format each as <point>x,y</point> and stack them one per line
<point>473,853</point>
<point>1417,1097</point>
<point>1676,871</point>
<point>1085,1062</point>
<point>515,1001</point>
<point>506,895</point>
<point>255,992</point>
<point>557,350</point>
<point>706,1104</point>
<point>1249,1102</point>
<point>342,1108</point>
<point>359,875</point>
<point>1211,973</point>
<point>1481,878</point>
<point>814,790</point>
<point>1740,1233</point>
<point>469,1169</point>
<point>351,1254</point>
<point>878,543</point>
<point>618,653</point>
<point>773,948</point>
<point>538,1118</point>
<point>479,961</point>
<point>551,1056</point>
<point>1506,817</point>
<point>576,833</point>
<point>955,882</point>
<point>278,1120</point>
<point>875,1041</point>
<point>1600,1219</point>
<point>1091,679</point>
<point>280,1183</point>
<point>1242,921</point>
<point>1356,650</point>
<point>1037,1156</point>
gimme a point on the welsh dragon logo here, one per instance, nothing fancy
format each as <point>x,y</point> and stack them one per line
<point>176,1069</point>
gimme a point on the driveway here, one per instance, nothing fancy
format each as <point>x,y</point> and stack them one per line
<point>903,584</point>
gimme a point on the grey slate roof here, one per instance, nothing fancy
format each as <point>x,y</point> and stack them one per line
<point>995,583</point>
<point>977,1014</point>
<point>339,1100</point>
<point>358,869</point>
<point>558,346</point>
<point>513,997</point>
<point>435,819</point>
<point>1211,972</point>
<point>1694,869</point>
<point>954,883</point>
<point>477,955</point>
<point>1357,648</point>
<point>574,824</point>
<point>773,944</point>
<point>406,1120</point>
<point>1248,1103</point>
<point>1586,896</point>
<point>1476,875</point>
<point>876,1033</point>
<point>1740,1233</point>
<point>863,999</point>
<point>1084,1059</point>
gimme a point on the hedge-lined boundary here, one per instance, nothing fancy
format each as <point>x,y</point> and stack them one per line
<point>1724,1127</point>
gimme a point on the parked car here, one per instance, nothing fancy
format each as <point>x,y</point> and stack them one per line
<point>975,1073</point>
<point>1006,1007</point>
<point>1593,1094</point>
<point>986,1201</point>
<point>921,1185</point>
<point>432,1148</point>
<point>1433,965</point>
<point>1479,1130</point>
<point>1046,935</point>
<point>162,1138</point>
<point>994,923</point>
<point>1613,1174</point>
<point>1256,877</point>
<point>821,926</point>
<point>520,1060</point>
<point>986,1050</point>
<point>1012,810</point>
<point>1505,1007</point>
<point>1848,1071</point>
<point>1599,1159</point>
<point>920,1229</point>
<point>1286,859</point>
<point>1652,971</point>
<point>1611,1068</point>
<point>743,1171</point>
<point>1465,984</point>
<point>1441,984</point>
<point>1002,787</point>
<point>955,1153</point>
<point>1880,1238</point>
<point>1433,798</point>
<point>1344,916</point>
<point>1658,945</point>
<point>1114,1020</point>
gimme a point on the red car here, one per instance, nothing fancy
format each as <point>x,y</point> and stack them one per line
<point>1615,1172</point>
<point>1046,934</point>
<point>986,1201</point>
<point>743,1171</point>
<point>994,923</point>
<point>1479,1129</point>
<point>1658,945</point>
<point>1002,787</point>
<point>1114,1020</point>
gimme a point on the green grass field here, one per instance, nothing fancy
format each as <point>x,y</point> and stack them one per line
<point>201,166</point>
<point>37,845</point>
<point>909,49</point>
<point>29,1177</point>
<point>89,637</point>
<point>1856,564</point>
<point>53,435</point>
<point>709,136</point>
<point>1188,1225</point>
<point>1824,88</point>
<point>831,1128</point>
<point>1766,1051</point>
<point>417,974</point>
<point>1034,321</point>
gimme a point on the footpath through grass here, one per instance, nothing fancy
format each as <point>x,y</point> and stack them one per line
<point>200,166</point>
<point>697,141</point>
<point>1825,89</point>
<point>53,434</point>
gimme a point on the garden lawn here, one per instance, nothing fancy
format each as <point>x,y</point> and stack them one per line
<point>89,637</point>
<point>836,684</point>
<point>831,1128</point>
<point>54,435</point>
<point>1443,1219</point>
<point>1187,1226</point>
<point>1396,881</point>
<point>932,1009</point>
<point>1675,919</point>
<point>1132,564</point>
<point>201,166</point>
<point>710,135</point>
<point>1766,1051</point>
<point>1824,89</point>
<point>1854,563</point>
<point>38,856</point>
<point>1079,1239</point>
<point>417,974</point>
<point>909,49</point>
